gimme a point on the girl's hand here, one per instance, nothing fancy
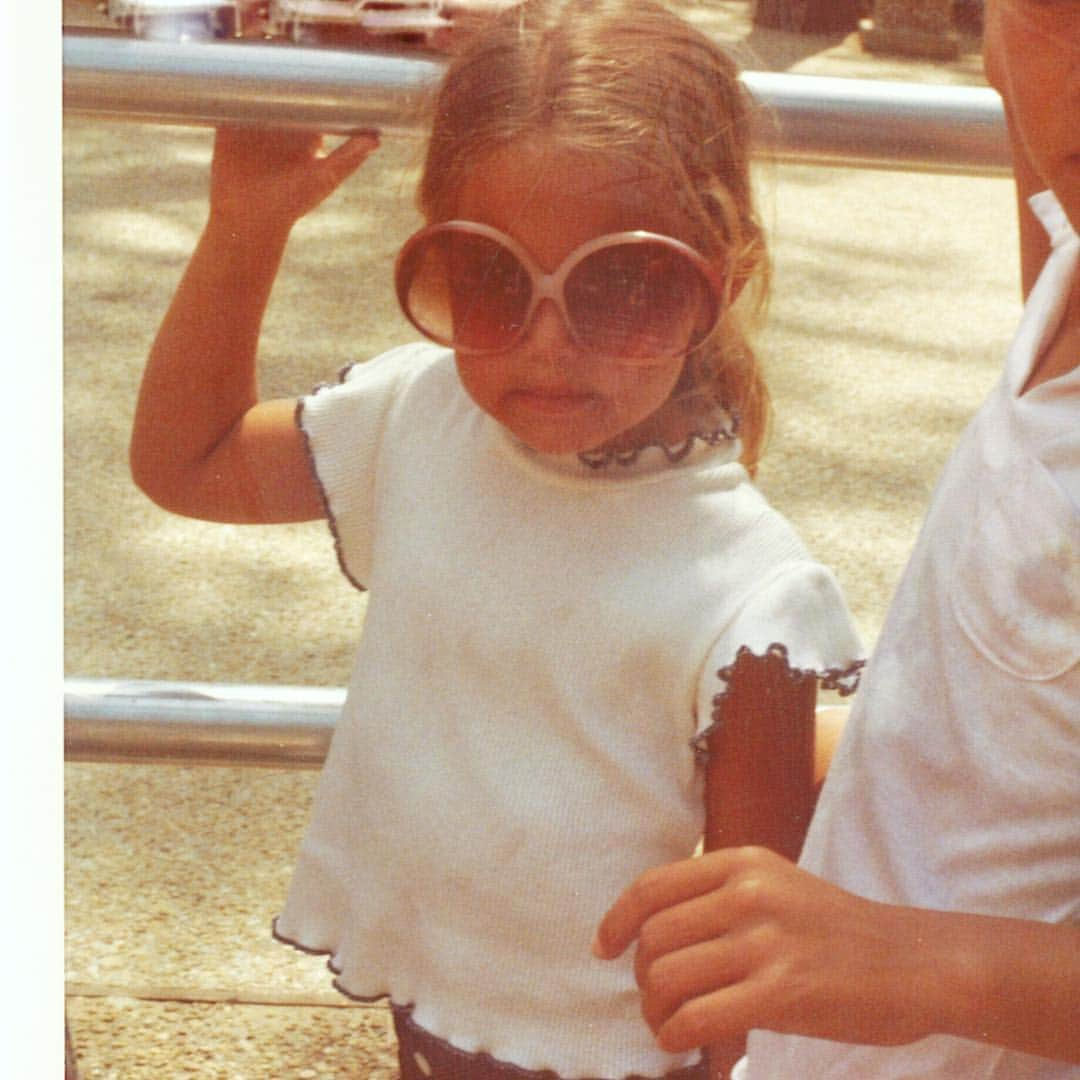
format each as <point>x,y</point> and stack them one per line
<point>742,938</point>
<point>265,179</point>
<point>203,444</point>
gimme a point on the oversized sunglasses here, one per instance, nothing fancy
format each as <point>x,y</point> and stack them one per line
<point>631,296</point>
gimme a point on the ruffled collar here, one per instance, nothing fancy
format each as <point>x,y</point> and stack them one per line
<point>717,441</point>
<point>724,430</point>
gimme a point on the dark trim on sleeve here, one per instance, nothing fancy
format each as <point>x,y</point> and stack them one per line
<point>298,417</point>
<point>845,681</point>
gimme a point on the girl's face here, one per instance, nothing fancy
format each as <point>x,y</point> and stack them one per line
<point>545,389</point>
<point>1032,55</point>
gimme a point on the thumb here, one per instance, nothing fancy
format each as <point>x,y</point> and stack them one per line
<point>345,159</point>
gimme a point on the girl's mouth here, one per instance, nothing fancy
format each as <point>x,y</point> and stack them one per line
<point>552,401</point>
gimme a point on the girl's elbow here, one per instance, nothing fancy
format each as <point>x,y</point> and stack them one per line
<point>144,475</point>
<point>161,484</point>
<point>150,485</point>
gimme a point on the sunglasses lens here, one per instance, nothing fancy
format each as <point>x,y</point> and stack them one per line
<point>464,290</point>
<point>640,301</point>
<point>635,300</point>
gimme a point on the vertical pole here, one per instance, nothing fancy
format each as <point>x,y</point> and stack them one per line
<point>912,28</point>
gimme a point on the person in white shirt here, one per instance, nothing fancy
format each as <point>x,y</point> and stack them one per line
<point>932,929</point>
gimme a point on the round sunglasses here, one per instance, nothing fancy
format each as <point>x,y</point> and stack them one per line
<point>632,296</point>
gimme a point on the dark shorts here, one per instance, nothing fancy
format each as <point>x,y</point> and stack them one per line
<point>424,1057</point>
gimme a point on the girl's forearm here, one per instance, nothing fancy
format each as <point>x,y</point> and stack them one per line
<point>1009,982</point>
<point>759,783</point>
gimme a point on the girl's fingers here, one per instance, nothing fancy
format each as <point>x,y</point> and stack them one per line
<point>679,927</point>
<point>328,172</point>
<point>712,1017</point>
<point>345,159</point>
<point>268,144</point>
<point>653,892</point>
<point>275,149</point>
<point>265,178</point>
<point>753,872</point>
<point>678,978</point>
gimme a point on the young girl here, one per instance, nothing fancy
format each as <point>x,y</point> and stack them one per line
<point>572,580</point>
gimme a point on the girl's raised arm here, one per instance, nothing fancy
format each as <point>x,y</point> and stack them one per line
<point>203,445</point>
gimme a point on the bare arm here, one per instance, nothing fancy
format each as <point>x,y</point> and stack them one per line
<point>759,780</point>
<point>742,938</point>
<point>203,444</point>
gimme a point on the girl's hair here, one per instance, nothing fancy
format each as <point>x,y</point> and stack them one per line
<point>629,80</point>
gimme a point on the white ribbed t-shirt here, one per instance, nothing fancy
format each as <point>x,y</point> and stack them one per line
<point>540,647</point>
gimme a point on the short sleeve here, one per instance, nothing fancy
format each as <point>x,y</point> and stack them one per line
<point>344,425</point>
<point>800,615</point>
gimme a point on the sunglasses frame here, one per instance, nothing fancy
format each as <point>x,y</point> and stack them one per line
<point>547,286</point>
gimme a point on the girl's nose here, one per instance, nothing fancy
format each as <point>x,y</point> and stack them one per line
<point>547,333</point>
<point>548,324</point>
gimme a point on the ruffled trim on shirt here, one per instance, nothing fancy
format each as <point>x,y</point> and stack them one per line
<point>403,1011</point>
<point>842,680</point>
<point>331,967</point>
<point>331,520</point>
<point>726,431</point>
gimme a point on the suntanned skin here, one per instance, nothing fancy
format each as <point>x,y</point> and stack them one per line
<point>742,938</point>
<point>203,445</point>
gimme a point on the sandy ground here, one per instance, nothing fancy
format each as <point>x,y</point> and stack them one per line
<point>895,295</point>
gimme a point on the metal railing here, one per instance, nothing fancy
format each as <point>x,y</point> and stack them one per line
<point>828,121</point>
<point>851,122</point>
<point>197,723</point>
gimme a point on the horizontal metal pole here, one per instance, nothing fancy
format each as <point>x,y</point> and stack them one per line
<point>113,77</point>
<point>891,125</point>
<point>147,722</point>
<point>192,723</point>
<point>851,122</point>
